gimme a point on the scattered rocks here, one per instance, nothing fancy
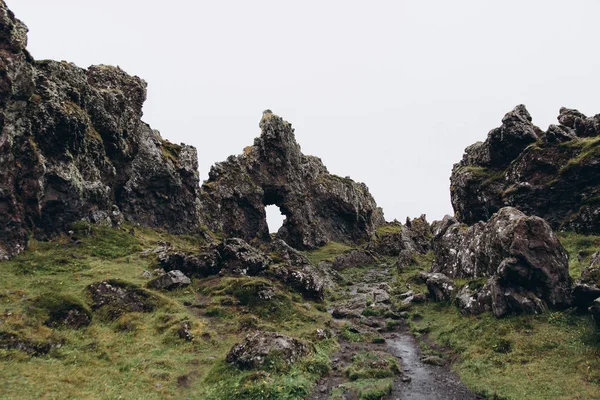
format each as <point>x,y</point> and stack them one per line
<point>258,349</point>
<point>171,280</point>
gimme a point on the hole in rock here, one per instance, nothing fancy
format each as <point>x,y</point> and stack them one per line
<point>275,218</point>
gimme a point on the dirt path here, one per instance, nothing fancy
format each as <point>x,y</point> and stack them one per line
<point>427,382</point>
<point>416,379</point>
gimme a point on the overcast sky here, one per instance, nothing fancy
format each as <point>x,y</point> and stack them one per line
<point>386,92</point>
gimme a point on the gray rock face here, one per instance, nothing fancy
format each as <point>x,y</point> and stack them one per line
<point>171,280</point>
<point>260,347</point>
<point>552,175</point>
<point>526,264</point>
<point>319,207</point>
<point>73,146</point>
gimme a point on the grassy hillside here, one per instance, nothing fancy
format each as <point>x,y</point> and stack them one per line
<point>144,355</point>
<point>140,355</point>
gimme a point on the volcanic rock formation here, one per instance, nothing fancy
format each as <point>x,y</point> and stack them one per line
<point>526,265</point>
<point>554,174</point>
<point>319,207</point>
<point>73,146</point>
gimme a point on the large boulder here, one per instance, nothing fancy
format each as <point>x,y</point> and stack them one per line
<point>554,174</point>
<point>319,207</point>
<point>264,349</point>
<point>526,264</point>
<point>73,146</point>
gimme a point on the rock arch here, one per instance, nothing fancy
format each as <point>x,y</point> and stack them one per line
<point>319,207</point>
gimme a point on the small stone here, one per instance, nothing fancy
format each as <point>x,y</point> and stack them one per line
<point>169,281</point>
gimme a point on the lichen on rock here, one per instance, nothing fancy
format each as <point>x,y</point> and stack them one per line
<point>526,265</point>
<point>319,207</point>
<point>552,174</point>
<point>73,146</point>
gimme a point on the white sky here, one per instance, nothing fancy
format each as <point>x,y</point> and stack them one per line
<point>386,92</point>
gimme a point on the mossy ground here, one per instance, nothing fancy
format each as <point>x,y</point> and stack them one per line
<point>327,252</point>
<point>140,355</point>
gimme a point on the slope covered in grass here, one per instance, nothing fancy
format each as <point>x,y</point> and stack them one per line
<point>141,355</point>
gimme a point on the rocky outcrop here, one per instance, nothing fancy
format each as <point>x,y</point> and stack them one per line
<point>235,257</point>
<point>73,146</point>
<point>319,207</point>
<point>552,174</point>
<point>526,265</point>
<point>114,297</point>
<point>266,349</point>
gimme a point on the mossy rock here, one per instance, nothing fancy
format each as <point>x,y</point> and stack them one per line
<point>63,310</point>
<point>112,298</point>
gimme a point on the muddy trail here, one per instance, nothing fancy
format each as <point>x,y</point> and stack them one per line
<point>378,356</point>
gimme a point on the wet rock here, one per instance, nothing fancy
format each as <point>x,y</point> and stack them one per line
<point>527,264</point>
<point>73,147</point>
<point>171,280</point>
<point>258,349</point>
<point>114,298</point>
<point>534,171</point>
<point>319,207</point>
